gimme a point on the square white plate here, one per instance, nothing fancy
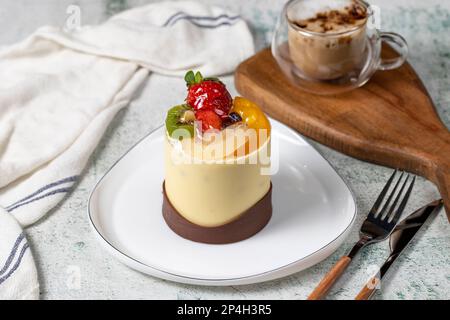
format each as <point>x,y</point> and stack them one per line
<point>313,210</point>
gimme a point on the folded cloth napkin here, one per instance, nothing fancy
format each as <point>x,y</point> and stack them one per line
<point>59,91</point>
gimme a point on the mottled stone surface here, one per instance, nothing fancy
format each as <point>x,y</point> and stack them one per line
<point>63,241</point>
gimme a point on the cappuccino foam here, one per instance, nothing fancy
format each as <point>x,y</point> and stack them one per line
<point>327,16</point>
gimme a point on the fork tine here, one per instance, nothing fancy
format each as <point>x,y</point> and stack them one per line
<point>402,205</point>
<point>380,198</point>
<point>391,195</point>
<point>397,198</point>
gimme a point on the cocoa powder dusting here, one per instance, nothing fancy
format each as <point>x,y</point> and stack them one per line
<point>348,16</point>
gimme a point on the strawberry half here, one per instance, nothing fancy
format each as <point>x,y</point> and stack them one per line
<point>207,94</point>
<point>209,119</point>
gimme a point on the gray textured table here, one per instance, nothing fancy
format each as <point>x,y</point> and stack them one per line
<point>63,241</point>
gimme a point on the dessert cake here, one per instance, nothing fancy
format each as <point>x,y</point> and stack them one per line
<point>217,186</point>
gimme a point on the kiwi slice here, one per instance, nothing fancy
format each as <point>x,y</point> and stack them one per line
<point>173,120</point>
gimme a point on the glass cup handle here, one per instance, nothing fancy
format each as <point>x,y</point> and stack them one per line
<point>399,44</point>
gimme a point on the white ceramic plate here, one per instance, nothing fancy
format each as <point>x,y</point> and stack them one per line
<point>313,210</point>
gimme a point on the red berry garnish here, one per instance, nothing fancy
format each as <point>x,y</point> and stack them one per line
<point>209,119</point>
<point>207,94</point>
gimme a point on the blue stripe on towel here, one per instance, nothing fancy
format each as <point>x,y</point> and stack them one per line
<point>180,13</point>
<point>224,23</point>
<point>44,188</point>
<point>16,265</point>
<point>208,22</point>
<point>56,191</point>
<point>12,254</point>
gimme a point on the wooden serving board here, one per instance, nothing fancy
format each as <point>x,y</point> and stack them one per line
<point>390,121</point>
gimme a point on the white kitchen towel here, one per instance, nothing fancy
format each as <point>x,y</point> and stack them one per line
<point>60,90</point>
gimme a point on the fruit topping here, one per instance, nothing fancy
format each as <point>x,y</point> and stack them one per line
<point>187,116</point>
<point>235,117</point>
<point>209,106</point>
<point>250,113</point>
<point>232,118</point>
<point>207,94</point>
<point>179,117</point>
<point>209,120</point>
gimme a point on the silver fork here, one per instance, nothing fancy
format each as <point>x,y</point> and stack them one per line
<point>377,227</point>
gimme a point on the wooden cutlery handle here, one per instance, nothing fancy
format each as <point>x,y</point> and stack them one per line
<point>330,278</point>
<point>368,289</point>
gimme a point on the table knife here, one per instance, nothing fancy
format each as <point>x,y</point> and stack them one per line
<point>398,241</point>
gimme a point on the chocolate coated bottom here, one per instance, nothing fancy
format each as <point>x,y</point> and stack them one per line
<point>246,225</point>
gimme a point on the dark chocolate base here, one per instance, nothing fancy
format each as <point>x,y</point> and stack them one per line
<point>245,226</point>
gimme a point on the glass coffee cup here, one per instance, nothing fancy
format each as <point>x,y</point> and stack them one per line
<point>332,46</point>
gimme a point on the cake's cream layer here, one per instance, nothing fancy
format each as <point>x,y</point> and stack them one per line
<point>213,194</point>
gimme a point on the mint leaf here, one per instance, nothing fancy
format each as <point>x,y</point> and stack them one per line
<point>198,77</point>
<point>189,78</point>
